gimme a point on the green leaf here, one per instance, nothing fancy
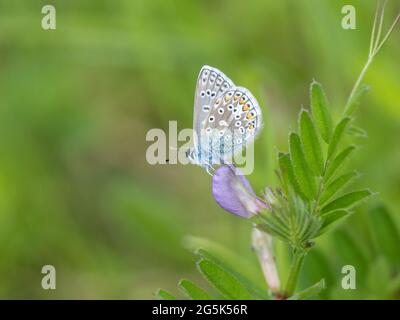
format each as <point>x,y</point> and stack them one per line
<point>357,132</point>
<point>320,111</point>
<point>231,262</point>
<point>385,233</point>
<point>346,201</point>
<point>310,142</point>
<point>164,295</point>
<point>337,185</point>
<point>223,281</point>
<point>331,219</point>
<point>310,291</point>
<point>337,136</point>
<point>193,291</point>
<point>301,169</point>
<point>287,173</point>
<point>256,290</point>
<point>338,162</point>
<point>378,278</point>
<point>316,267</point>
<point>350,252</point>
<point>355,100</point>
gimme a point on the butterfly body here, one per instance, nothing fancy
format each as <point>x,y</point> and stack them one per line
<point>226,119</point>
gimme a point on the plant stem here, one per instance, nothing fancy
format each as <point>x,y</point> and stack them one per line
<point>291,283</point>
<point>357,84</point>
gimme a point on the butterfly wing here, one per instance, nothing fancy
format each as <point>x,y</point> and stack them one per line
<point>235,120</point>
<point>211,83</point>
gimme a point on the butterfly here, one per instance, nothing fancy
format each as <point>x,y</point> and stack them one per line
<point>226,118</point>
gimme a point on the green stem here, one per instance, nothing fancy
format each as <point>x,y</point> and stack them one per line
<point>291,283</point>
<point>347,110</point>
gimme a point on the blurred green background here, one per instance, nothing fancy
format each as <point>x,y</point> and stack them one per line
<point>76,103</point>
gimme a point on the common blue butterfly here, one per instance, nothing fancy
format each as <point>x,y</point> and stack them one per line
<point>226,119</point>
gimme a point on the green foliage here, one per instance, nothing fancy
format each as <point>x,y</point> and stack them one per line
<point>228,282</point>
<point>387,238</point>
<point>311,143</point>
<point>313,196</point>
<point>290,221</point>
<point>302,171</point>
<point>309,292</point>
<point>223,281</point>
<point>164,295</point>
<point>193,291</point>
<point>320,111</point>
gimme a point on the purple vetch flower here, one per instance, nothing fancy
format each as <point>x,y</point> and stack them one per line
<point>233,193</point>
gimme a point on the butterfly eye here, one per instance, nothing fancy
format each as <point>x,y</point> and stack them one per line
<point>221,110</point>
<point>211,119</point>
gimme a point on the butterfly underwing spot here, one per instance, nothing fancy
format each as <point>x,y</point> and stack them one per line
<point>237,96</point>
<point>211,119</point>
<point>228,96</point>
<point>221,110</point>
<point>208,92</point>
<point>238,116</point>
<point>246,107</point>
<point>238,123</point>
<point>205,76</point>
<point>202,94</point>
<point>213,94</point>
<point>223,123</point>
<point>206,108</point>
<point>243,99</point>
<point>230,107</point>
<point>212,77</point>
<point>250,115</point>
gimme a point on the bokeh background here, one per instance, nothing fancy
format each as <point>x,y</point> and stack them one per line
<point>76,103</point>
